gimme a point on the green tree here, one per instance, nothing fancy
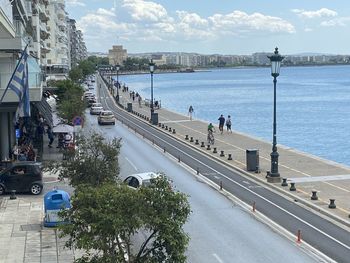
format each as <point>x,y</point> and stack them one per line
<point>96,161</point>
<point>104,221</point>
<point>76,74</point>
<point>69,103</point>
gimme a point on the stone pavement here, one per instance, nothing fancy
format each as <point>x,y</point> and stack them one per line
<point>23,238</point>
<point>293,164</point>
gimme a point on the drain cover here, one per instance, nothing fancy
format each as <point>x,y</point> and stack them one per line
<point>31,227</point>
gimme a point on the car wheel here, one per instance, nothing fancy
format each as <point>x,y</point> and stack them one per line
<point>2,190</point>
<point>35,189</point>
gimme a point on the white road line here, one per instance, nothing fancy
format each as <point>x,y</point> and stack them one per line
<point>131,163</point>
<point>246,188</point>
<point>218,258</point>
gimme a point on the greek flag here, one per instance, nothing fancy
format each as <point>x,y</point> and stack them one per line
<point>19,84</point>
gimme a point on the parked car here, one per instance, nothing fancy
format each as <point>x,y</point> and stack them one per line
<point>96,110</point>
<point>22,177</point>
<point>106,117</point>
<point>141,179</point>
<point>97,104</point>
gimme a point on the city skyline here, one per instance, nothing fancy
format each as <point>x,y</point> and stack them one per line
<point>223,27</point>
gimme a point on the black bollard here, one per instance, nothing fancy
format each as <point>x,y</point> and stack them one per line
<point>222,154</point>
<point>229,157</point>
<point>215,151</point>
<point>174,131</point>
<point>314,195</point>
<point>208,147</point>
<point>13,195</point>
<point>186,137</point>
<point>284,182</point>
<point>159,124</point>
<point>202,144</point>
<point>191,140</point>
<point>197,142</point>
<point>170,129</point>
<point>166,127</point>
<point>332,204</point>
<point>162,126</point>
<point>292,187</point>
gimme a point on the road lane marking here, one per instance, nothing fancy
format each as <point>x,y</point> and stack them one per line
<point>131,163</point>
<point>218,258</point>
<point>242,186</point>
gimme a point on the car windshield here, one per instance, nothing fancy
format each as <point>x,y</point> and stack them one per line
<point>107,113</point>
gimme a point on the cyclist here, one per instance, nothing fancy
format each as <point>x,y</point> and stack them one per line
<point>211,131</point>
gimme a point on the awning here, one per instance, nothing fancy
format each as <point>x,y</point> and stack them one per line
<point>63,128</point>
<point>45,109</point>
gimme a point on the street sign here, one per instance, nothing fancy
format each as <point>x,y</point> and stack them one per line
<point>78,121</point>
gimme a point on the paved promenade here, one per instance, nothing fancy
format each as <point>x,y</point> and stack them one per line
<point>309,173</point>
<point>22,235</point>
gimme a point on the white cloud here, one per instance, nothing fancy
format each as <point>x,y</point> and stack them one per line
<point>238,22</point>
<point>341,21</point>
<point>75,3</point>
<point>323,12</point>
<point>136,20</point>
<point>145,11</point>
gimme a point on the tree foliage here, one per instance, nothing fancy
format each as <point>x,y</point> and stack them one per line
<point>69,102</point>
<point>76,74</point>
<point>95,162</point>
<point>105,219</point>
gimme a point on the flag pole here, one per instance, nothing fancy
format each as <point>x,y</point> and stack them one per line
<point>14,72</point>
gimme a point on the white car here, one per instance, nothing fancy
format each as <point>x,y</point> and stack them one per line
<point>106,117</point>
<point>96,110</point>
<point>141,179</point>
<point>97,104</point>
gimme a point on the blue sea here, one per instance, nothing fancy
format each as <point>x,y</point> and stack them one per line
<point>313,103</point>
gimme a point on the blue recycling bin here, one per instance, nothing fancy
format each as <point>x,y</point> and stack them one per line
<point>55,201</point>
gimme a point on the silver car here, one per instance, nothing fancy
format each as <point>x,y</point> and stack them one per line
<point>96,110</point>
<point>106,117</point>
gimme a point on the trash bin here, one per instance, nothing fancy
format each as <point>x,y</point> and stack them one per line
<point>154,118</point>
<point>55,201</point>
<point>129,108</point>
<point>252,159</point>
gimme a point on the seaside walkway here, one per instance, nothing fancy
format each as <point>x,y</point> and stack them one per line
<point>309,173</point>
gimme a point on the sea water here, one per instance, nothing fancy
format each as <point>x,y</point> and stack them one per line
<point>313,103</point>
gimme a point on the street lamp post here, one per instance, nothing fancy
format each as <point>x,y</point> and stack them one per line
<point>117,67</point>
<point>274,175</point>
<point>151,70</point>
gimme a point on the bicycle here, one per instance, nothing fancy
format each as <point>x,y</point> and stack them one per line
<point>210,137</point>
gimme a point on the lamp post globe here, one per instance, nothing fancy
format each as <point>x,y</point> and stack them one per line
<point>117,68</point>
<point>151,70</point>
<point>274,175</point>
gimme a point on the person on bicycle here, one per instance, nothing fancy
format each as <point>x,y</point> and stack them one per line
<point>211,130</point>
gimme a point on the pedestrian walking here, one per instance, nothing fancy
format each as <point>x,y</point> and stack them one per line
<point>190,111</point>
<point>139,99</point>
<point>221,123</point>
<point>228,123</point>
<point>50,136</point>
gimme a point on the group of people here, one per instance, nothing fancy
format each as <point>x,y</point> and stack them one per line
<point>211,128</point>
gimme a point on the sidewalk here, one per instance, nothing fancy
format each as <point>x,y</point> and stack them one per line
<point>23,238</point>
<point>310,173</point>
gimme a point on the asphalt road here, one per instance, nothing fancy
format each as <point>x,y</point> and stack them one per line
<point>219,230</point>
<point>328,238</point>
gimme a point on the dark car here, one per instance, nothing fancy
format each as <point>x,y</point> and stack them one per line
<point>22,177</point>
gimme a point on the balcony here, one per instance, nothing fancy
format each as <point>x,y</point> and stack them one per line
<point>17,42</point>
<point>42,14</point>
<point>7,30</point>
<point>35,85</point>
<point>44,33</point>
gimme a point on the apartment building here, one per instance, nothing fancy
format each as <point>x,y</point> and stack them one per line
<point>41,27</point>
<point>77,48</point>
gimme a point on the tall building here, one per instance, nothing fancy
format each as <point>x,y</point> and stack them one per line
<point>19,25</point>
<point>117,55</point>
<point>41,26</point>
<point>77,48</point>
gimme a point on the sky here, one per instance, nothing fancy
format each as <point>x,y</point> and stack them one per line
<point>231,27</point>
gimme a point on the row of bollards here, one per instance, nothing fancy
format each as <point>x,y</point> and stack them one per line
<point>202,145</point>
<point>313,197</point>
